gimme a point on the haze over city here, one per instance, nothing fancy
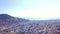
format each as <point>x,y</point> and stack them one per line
<point>31,9</point>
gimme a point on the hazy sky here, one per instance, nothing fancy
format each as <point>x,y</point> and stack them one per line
<point>32,9</point>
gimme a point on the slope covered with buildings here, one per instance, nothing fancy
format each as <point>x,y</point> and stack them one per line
<point>13,25</point>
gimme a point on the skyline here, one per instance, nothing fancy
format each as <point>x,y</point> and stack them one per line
<point>31,9</point>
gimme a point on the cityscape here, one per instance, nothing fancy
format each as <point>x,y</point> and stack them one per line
<point>13,25</point>
<point>29,16</point>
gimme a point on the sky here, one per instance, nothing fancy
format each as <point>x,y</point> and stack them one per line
<point>31,9</point>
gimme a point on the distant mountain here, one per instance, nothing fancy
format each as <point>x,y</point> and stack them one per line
<point>5,16</point>
<point>22,20</point>
<point>6,19</point>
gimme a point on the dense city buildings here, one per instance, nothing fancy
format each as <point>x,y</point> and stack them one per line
<point>12,25</point>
